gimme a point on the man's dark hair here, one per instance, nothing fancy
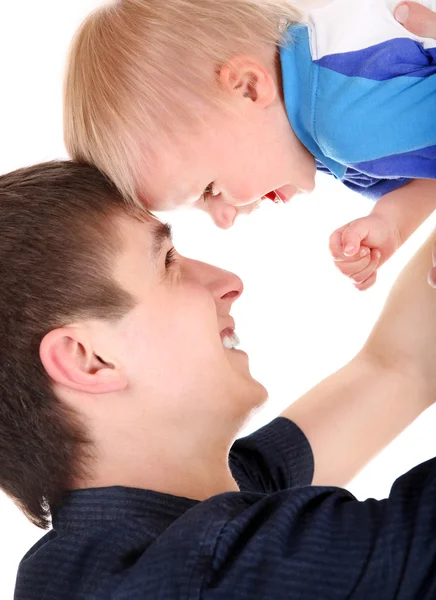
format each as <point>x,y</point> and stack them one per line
<point>58,240</point>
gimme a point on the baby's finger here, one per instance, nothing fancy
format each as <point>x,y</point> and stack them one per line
<point>363,275</point>
<point>366,284</point>
<point>337,250</point>
<point>352,267</point>
<point>335,244</point>
<point>351,239</point>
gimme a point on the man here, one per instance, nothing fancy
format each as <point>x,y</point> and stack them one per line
<point>122,394</point>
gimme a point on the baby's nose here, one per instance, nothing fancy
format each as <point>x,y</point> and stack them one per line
<point>223,215</point>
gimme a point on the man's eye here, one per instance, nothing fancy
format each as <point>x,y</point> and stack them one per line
<point>170,257</point>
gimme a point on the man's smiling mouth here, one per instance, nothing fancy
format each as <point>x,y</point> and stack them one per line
<point>229,338</point>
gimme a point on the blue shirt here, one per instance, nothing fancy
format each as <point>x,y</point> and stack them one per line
<point>364,106</point>
<point>276,539</point>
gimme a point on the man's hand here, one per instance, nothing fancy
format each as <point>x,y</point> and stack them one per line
<point>420,21</point>
<point>416,18</point>
<point>362,246</point>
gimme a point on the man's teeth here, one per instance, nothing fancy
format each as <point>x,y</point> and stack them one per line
<point>231,341</point>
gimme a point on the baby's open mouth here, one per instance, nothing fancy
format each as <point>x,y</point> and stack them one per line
<point>273,196</point>
<point>278,197</point>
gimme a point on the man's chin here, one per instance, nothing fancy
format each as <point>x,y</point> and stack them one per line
<point>256,393</point>
<point>249,387</point>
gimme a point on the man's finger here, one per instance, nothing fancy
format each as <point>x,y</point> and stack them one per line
<point>416,18</point>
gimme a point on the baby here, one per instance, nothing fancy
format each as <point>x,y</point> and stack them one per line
<point>219,104</point>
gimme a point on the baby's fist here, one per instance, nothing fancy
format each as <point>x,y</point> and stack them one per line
<point>362,246</point>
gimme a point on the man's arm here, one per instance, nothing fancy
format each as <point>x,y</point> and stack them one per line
<point>356,412</point>
<point>419,20</point>
<point>320,543</point>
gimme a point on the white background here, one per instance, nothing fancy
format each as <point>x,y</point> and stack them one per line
<point>298,319</point>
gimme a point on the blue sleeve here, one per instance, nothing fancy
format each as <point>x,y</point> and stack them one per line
<point>368,186</point>
<point>375,115</point>
<point>378,177</point>
<point>368,116</point>
<point>315,542</point>
<point>276,457</point>
<point>364,114</point>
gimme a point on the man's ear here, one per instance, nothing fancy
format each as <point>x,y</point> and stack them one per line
<point>245,77</point>
<point>70,360</point>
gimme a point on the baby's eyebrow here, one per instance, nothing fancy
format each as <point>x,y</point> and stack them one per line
<point>161,233</point>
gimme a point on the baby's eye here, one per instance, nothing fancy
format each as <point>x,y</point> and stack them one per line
<point>208,189</point>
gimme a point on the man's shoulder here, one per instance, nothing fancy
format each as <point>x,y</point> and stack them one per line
<point>129,544</point>
<point>275,457</point>
<point>181,560</point>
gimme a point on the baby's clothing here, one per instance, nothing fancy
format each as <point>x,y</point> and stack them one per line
<point>360,93</point>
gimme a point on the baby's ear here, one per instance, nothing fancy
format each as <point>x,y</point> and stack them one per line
<point>70,361</point>
<point>246,78</point>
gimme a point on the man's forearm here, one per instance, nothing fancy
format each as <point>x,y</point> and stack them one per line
<point>353,414</point>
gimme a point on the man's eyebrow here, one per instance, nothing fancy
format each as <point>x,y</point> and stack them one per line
<point>161,233</point>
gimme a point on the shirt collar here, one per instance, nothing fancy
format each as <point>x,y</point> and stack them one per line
<point>83,508</point>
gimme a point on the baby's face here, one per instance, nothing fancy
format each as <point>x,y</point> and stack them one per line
<point>229,164</point>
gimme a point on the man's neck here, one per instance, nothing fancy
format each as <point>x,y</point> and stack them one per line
<point>170,468</point>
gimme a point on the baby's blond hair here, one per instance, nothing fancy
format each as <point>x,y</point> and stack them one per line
<point>131,60</point>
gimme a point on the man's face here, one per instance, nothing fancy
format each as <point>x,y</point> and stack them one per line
<point>229,163</point>
<point>171,346</point>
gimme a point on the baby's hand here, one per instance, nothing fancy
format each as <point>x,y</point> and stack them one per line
<point>362,246</point>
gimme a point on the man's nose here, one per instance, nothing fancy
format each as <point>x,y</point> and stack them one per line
<point>225,286</point>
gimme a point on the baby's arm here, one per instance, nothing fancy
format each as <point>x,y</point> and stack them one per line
<point>362,246</point>
<point>397,214</point>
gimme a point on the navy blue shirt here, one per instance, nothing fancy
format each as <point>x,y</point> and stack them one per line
<point>276,539</point>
